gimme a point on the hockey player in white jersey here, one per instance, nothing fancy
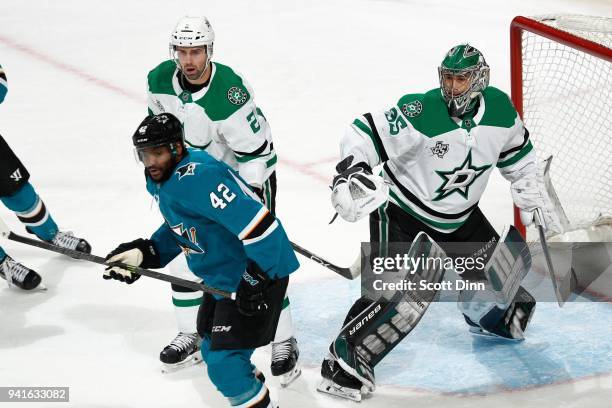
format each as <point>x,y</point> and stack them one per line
<point>219,115</point>
<point>437,151</point>
<point>19,196</point>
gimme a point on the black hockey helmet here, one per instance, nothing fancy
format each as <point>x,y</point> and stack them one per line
<point>158,130</point>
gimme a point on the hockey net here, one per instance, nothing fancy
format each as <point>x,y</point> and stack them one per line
<point>562,87</point>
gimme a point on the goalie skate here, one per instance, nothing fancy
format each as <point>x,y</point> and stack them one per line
<point>182,352</point>
<point>338,382</point>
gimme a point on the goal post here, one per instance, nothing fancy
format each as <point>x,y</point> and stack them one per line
<point>561,77</point>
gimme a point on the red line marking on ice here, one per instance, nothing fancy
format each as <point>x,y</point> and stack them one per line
<point>70,69</point>
<point>105,84</point>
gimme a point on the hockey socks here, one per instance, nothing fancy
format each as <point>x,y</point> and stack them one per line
<point>32,212</point>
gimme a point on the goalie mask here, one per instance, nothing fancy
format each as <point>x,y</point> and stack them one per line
<point>192,32</point>
<point>463,75</point>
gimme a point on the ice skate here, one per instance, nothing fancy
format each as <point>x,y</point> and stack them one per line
<point>338,382</point>
<point>69,241</point>
<point>182,352</point>
<point>285,363</point>
<point>20,276</point>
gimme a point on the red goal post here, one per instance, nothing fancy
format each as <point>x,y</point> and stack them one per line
<point>585,43</point>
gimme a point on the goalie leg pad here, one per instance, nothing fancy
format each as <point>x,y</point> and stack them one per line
<point>13,174</point>
<point>368,337</point>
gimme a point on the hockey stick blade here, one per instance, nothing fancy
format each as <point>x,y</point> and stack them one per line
<point>548,258</point>
<point>7,233</point>
<point>349,273</point>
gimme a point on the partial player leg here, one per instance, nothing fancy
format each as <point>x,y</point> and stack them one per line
<point>232,372</point>
<point>183,351</point>
<point>285,353</point>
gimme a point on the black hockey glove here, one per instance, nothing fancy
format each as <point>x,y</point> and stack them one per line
<point>140,252</point>
<point>252,294</point>
<point>344,170</point>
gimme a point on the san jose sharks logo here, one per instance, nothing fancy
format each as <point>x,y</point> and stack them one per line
<point>459,179</point>
<point>439,149</point>
<point>187,239</point>
<point>186,170</point>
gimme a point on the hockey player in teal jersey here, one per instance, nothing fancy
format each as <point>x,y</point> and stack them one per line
<point>217,108</point>
<point>437,151</point>
<point>19,196</point>
<point>231,242</point>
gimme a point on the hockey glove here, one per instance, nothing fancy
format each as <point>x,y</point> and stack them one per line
<point>252,294</point>
<point>356,192</point>
<point>140,252</point>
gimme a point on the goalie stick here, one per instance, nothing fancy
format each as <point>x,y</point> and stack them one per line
<point>548,258</point>
<point>8,234</point>
<point>349,273</point>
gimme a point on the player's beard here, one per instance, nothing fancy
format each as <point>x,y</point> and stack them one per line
<point>160,174</point>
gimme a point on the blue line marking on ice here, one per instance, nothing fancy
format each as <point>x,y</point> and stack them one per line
<point>562,344</point>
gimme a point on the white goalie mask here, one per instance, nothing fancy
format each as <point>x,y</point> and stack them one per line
<point>192,32</point>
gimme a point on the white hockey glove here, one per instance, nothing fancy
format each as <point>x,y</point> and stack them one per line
<point>140,252</point>
<point>356,192</point>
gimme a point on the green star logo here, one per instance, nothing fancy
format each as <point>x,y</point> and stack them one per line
<point>459,179</point>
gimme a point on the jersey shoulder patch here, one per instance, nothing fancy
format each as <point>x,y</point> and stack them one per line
<point>427,113</point>
<point>160,78</point>
<point>226,95</point>
<point>499,110</point>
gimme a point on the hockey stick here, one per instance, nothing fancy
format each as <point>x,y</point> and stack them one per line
<point>547,257</point>
<point>349,273</point>
<point>8,234</point>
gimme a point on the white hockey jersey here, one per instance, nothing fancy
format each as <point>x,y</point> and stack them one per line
<point>221,118</point>
<point>438,166</point>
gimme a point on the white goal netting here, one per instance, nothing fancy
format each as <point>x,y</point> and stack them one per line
<point>567,108</point>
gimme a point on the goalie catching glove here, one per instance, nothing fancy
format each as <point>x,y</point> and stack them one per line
<point>356,192</point>
<point>140,252</point>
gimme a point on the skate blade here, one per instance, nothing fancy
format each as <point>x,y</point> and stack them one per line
<point>481,333</point>
<point>287,378</point>
<point>329,387</point>
<point>188,362</point>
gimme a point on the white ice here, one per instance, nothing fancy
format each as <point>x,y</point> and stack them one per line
<point>76,72</point>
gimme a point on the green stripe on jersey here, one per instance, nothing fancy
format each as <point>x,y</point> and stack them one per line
<point>518,156</point>
<point>187,302</point>
<point>366,129</point>
<point>451,226</point>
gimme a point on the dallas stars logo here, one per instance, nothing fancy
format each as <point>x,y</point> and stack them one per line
<point>459,179</point>
<point>236,95</point>
<point>186,170</point>
<point>187,239</point>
